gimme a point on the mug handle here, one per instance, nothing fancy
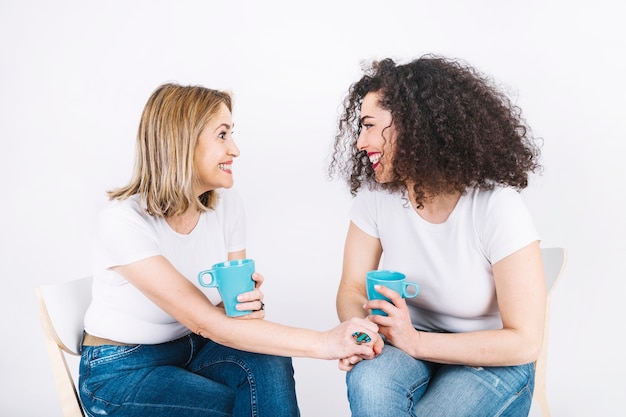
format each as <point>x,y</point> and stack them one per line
<point>415,287</point>
<point>212,283</point>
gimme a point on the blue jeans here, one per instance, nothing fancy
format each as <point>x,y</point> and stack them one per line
<point>191,376</point>
<point>395,384</point>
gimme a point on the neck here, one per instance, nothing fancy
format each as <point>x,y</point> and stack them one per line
<point>184,223</point>
<point>436,209</point>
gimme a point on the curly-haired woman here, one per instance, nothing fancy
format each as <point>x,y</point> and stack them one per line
<point>435,155</point>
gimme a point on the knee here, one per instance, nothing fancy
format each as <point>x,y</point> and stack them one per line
<point>280,366</point>
<point>385,386</point>
<point>366,381</point>
<point>391,365</point>
<point>370,394</point>
<point>272,371</point>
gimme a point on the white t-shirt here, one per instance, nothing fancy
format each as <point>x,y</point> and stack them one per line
<point>451,262</point>
<point>125,234</point>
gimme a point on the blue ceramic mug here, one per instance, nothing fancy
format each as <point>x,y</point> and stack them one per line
<point>231,278</point>
<point>393,280</point>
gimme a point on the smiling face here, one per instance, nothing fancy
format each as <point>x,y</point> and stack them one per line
<point>214,153</point>
<point>377,136</point>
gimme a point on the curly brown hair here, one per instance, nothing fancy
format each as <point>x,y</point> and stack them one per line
<point>455,130</point>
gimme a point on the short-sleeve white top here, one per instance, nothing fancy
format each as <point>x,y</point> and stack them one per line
<point>451,261</point>
<point>126,233</point>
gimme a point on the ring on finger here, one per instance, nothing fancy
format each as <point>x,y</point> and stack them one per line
<point>361,337</point>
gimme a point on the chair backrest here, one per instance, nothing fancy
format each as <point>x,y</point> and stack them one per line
<point>62,308</point>
<point>554,260</point>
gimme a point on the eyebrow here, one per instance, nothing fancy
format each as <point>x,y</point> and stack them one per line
<point>362,119</point>
<point>225,125</point>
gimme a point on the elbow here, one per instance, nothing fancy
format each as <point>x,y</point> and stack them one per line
<point>531,351</point>
<point>534,351</point>
<point>528,355</point>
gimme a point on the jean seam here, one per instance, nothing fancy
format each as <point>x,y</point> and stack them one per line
<point>121,351</point>
<point>525,389</point>
<point>411,401</point>
<point>249,377</point>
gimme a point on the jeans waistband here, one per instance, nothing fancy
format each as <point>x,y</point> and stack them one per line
<point>90,340</point>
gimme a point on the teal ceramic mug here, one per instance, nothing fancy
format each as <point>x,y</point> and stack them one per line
<point>393,280</point>
<point>231,278</point>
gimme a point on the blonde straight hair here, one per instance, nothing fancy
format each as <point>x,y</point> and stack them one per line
<point>171,123</point>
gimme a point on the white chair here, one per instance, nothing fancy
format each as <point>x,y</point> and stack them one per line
<point>61,310</point>
<point>554,260</point>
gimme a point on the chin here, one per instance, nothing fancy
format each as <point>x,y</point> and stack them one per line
<point>380,179</point>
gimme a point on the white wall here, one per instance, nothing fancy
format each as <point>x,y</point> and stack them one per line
<point>74,76</point>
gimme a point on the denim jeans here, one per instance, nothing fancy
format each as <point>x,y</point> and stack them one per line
<point>395,385</point>
<point>190,376</point>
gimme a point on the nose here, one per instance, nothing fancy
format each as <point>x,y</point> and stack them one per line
<point>361,142</point>
<point>233,150</point>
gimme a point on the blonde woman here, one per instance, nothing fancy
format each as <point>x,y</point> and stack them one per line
<point>156,343</point>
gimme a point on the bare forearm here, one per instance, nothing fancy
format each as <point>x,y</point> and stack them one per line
<point>350,304</point>
<point>262,336</point>
<point>484,348</point>
<point>267,337</point>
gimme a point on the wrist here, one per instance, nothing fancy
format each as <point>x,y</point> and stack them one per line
<point>417,344</point>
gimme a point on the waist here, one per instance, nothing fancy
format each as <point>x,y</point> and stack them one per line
<point>91,340</point>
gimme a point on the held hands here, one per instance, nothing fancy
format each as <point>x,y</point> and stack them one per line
<point>354,340</point>
<point>396,326</point>
<point>253,300</point>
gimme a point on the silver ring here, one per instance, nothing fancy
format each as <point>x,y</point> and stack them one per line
<point>262,305</point>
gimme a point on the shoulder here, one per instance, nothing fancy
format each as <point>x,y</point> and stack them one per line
<point>376,194</point>
<point>129,207</point>
<point>375,208</point>
<point>502,220</point>
<point>129,212</point>
<point>495,199</point>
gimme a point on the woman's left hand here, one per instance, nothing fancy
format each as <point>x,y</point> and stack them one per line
<point>396,326</point>
<point>253,300</point>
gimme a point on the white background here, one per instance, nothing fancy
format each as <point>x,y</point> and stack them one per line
<point>74,77</point>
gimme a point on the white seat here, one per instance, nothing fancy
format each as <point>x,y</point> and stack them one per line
<point>62,308</point>
<point>554,260</point>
